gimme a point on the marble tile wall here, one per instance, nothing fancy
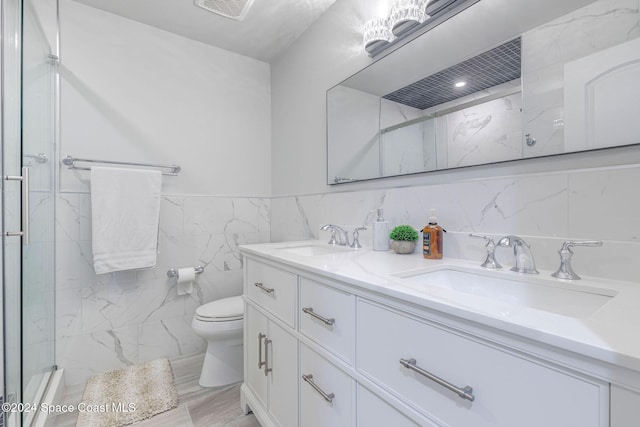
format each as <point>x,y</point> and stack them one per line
<point>109,321</point>
<point>545,209</point>
<point>484,133</point>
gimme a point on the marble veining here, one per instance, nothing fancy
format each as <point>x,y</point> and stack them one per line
<point>484,133</point>
<point>135,316</point>
<point>545,209</point>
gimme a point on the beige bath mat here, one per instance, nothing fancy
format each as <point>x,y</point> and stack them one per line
<point>128,395</point>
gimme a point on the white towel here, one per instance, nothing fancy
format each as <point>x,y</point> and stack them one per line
<point>125,211</point>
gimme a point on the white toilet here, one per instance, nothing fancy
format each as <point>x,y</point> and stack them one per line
<point>220,323</point>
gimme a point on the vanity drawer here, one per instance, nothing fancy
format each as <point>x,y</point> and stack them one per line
<point>327,316</point>
<point>373,411</point>
<point>508,390</point>
<point>273,289</point>
<point>326,396</point>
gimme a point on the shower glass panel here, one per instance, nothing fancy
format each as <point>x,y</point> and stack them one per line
<point>30,130</point>
<point>39,62</point>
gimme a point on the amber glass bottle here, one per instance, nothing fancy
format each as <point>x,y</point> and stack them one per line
<point>432,236</point>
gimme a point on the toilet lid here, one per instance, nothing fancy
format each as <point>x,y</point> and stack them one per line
<point>223,309</point>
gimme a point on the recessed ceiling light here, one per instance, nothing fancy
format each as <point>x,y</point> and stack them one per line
<point>460,84</point>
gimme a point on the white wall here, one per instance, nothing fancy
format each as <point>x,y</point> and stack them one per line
<point>134,93</point>
<point>546,200</point>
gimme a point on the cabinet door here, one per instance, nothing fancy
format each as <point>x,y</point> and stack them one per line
<point>326,397</point>
<point>255,327</point>
<point>282,351</point>
<point>509,390</point>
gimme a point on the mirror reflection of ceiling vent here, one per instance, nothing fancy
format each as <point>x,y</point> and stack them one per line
<point>234,9</point>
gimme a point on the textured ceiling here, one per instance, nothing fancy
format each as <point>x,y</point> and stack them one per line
<point>268,29</point>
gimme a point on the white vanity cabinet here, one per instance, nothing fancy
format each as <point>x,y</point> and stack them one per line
<point>345,355</point>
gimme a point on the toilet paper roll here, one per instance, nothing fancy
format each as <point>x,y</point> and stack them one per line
<point>186,276</point>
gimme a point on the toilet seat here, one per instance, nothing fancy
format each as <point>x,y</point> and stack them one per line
<point>222,310</point>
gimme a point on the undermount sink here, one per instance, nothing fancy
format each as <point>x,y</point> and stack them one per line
<point>568,299</point>
<point>313,250</point>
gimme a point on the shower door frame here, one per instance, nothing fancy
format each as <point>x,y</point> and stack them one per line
<point>29,60</point>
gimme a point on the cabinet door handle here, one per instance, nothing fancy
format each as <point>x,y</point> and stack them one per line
<point>464,393</point>
<point>310,312</point>
<point>260,362</point>
<point>328,397</point>
<point>261,286</point>
<point>267,369</point>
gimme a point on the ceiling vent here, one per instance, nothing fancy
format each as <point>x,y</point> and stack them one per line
<point>234,9</point>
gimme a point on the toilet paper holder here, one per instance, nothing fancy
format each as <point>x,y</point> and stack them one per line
<point>173,272</point>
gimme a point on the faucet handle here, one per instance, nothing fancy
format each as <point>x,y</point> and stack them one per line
<point>568,244</point>
<point>565,271</point>
<point>490,261</point>
<point>333,240</point>
<point>356,234</point>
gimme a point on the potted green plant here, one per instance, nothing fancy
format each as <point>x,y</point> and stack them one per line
<point>403,239</point>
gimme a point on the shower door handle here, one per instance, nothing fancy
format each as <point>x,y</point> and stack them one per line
<point>25,233</point>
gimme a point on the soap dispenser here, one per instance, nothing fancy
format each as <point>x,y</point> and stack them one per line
<point>432,235</point>
<point>380,233</point>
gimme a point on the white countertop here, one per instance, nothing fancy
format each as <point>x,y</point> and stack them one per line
<point>609,334</point>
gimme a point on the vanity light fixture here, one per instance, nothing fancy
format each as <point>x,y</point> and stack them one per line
<point>376,35</point>
<point>408,18</point>
<point>406,14</point>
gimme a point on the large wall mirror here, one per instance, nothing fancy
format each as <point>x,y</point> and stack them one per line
<point>501,81</point>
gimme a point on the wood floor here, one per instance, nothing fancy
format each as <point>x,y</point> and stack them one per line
<point>197,406</point>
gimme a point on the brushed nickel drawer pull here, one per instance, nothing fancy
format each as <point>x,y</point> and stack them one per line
<point>310,312</point>
<point>328,397</point>
<point>260,362</point>
<point>261,286</point>
<point>464,393</point>
<point>267,369</point>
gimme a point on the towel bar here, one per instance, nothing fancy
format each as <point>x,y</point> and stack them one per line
<point>71,163</point>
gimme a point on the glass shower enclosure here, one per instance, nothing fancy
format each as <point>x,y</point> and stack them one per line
<point>29,133</point>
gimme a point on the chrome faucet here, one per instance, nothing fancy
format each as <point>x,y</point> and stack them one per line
<point>343,238</point>
<point>522,257</point>
<point>565,271</point>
